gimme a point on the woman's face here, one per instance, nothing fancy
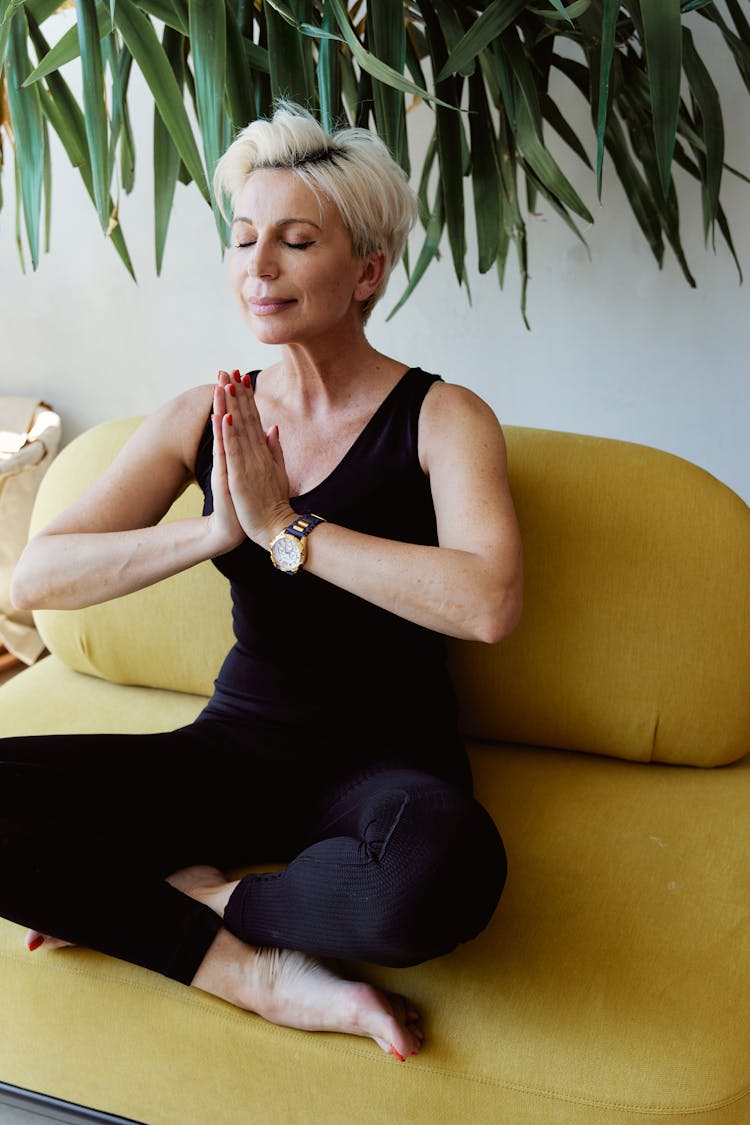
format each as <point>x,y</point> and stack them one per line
<point>292,266</point>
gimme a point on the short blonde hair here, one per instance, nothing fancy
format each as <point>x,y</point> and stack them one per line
<point>352,167</point>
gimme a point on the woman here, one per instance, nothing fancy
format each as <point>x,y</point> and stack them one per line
<point>330,742</point>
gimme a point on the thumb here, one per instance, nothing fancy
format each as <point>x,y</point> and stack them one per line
<point>274,445</point>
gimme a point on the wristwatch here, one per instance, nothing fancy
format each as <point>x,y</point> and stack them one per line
<point>289,550</point>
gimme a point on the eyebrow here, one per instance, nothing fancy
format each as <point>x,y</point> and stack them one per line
<point>281,223</point>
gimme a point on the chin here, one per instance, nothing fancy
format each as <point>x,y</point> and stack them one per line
<point>269,333</point>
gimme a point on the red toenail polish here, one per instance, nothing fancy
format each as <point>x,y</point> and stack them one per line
<point>35,943</point>
<point>246,380</point>
<point>232,391</point>
<point>229,419</point>
<point>398,1056</point>
<point>236,374</point>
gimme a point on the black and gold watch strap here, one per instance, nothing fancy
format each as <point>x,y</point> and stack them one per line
<point>304,524</point>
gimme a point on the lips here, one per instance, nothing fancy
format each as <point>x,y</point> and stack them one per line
<point>266,306</point>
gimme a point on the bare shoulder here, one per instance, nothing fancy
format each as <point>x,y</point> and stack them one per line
<point>453,415</point>
<point>178,424</point>
<point>446,401</point>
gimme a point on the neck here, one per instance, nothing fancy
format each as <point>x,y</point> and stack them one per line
<point>328,369</point>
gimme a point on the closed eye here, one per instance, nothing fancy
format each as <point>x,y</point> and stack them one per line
<point>291,245</point>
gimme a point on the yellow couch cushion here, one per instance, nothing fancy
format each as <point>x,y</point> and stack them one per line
<point>173,635</point>
<point>634,640</point>
<point>50,698</point>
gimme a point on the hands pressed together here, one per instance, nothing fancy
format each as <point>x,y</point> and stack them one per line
<point>249,480</point>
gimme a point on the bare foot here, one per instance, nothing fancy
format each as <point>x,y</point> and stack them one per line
<point>34,940</point>
<point>204,883</point>
<point>296,990</point>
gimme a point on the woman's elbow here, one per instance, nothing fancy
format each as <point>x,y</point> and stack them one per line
<point>501,615</point>
<point>21,592</point>
<point>25,592</point>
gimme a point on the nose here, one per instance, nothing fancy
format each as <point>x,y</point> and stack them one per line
<point>263,261</point>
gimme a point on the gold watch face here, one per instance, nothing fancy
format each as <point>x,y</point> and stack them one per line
<point>287,552</point>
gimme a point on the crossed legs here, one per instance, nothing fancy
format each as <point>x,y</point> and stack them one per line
<point>388,866</point>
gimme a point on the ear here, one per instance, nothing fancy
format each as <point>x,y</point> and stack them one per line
<point>373,269</point>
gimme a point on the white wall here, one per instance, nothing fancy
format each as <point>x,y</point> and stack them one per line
<point>616,346</point>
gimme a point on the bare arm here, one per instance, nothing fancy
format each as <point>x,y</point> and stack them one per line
<point>471,585</point>
<point>109,542</point>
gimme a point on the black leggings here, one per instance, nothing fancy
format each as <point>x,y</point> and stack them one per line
<point>385,863</point>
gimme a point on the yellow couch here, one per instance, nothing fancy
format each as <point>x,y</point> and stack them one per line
<point>613,984</point>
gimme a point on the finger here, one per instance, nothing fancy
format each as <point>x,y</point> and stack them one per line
<point>219,405</point>
<point>218,422</point>
<point>230,393</point>
<point>274,445</point>
<point>240,401</point>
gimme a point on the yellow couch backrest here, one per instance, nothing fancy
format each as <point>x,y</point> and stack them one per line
<point>634,640</point>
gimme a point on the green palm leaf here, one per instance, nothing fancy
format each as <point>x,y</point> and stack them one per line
<point>543,165</point>
<point>572,12</point>
<point>485,182</point>
<point>429,250</point>
<point>25,106</point>
<point>95,111</point>
<point>208,41</point>
<point>38,10</point>
<point>637,190</point>
<point>706,95</point>
<point>6,13</point>
<point>387,37</point>
<point>610,10</point>
<point>662,33</point>
<point>372,65</point>
<point>67,48</point>
<point>66,118</point>
<point>287,65</point>
<point>493,21</point>
<point>239,76</point>
<point>171,14</point>
<point>166,157</point>
<point>450,143</point>
<point>143,44</point>
<point>329,72</point>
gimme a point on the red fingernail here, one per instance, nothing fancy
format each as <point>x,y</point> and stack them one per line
<point>35,943</point>
<point>398,1056</point>
<point>236,374</point>
<point>246,380</point>
<point>232,391</point>
<point>229,419</point>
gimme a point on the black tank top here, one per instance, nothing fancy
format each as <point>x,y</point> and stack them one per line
<point>310,653</point>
